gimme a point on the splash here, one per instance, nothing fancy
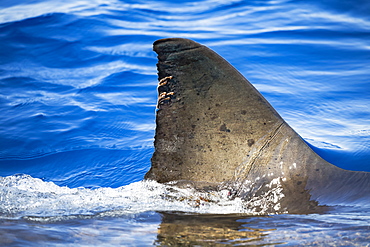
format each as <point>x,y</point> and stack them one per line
<point>22,196</point>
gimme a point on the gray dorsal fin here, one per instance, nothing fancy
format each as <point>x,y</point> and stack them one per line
<point>213,126</point>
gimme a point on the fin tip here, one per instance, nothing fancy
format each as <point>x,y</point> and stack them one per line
<point>173,45</point>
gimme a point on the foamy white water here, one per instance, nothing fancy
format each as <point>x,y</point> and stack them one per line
<point>23,195</point>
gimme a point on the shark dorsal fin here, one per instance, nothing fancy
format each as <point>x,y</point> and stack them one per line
<point>213,126</point>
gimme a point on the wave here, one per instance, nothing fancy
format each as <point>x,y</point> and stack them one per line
<point>24,196</point>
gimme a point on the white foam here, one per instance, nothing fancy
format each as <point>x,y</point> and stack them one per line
<point>25,196</point>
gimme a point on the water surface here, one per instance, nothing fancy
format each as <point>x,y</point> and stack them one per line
<point>78,94</point>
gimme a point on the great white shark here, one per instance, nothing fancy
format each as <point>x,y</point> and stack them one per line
<point>215,130</point>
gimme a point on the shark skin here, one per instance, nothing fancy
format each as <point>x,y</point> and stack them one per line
<point>215,130</point>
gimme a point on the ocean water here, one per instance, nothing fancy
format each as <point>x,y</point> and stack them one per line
<point>78,95</point>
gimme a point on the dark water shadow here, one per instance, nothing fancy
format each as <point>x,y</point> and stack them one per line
<point>208,230</point>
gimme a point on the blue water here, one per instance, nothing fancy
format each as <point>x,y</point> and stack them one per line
<point>78,94</point>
